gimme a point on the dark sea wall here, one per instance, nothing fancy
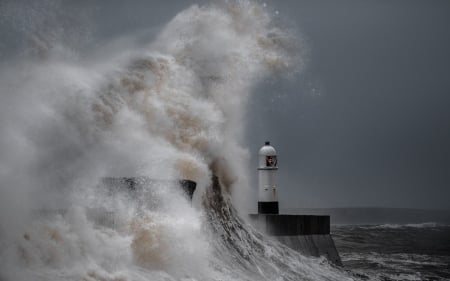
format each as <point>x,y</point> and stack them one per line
<point>307,234</point>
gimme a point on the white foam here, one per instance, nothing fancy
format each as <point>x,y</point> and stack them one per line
<point>168,109</point>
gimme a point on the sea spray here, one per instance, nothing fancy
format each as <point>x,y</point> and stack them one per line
<point>167,109</point>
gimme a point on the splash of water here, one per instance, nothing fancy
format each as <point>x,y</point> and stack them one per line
<point>169,109</point>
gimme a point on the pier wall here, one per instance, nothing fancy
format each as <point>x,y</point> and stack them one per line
<point>307,234</point>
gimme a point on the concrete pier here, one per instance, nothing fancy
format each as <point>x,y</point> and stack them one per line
<point>307,234</point>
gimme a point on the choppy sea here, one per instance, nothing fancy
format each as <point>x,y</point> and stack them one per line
<point>395,251</point>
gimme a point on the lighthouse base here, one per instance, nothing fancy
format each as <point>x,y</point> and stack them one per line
<point>268,207</point>
<point>307,234</point>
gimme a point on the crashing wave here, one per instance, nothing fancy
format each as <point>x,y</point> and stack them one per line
<point>171,109</point>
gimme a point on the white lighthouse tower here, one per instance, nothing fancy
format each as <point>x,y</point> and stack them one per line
<point>267,171</point>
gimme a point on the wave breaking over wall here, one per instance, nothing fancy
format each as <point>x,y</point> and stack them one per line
<point>168,109</point>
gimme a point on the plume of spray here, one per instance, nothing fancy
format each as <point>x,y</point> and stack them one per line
<point>169,109</point>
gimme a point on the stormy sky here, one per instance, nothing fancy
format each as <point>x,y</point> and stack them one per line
<point>365,123</point>
<point>368,121</point>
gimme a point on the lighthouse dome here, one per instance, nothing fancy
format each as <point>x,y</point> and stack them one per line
<point>267,150</point>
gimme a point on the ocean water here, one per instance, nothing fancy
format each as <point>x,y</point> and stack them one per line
<point>419,251</point>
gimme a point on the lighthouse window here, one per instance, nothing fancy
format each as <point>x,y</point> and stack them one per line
<point>271,161</point>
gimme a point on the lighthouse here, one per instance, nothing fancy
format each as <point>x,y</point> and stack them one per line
<point>308,234</point>
<point>267,182</point>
